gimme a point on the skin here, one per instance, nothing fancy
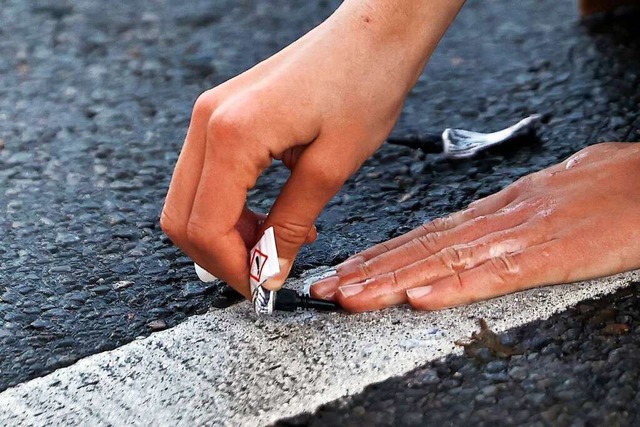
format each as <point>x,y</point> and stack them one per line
<point>574,221</point>
<point>326,103</point>
<point>322,105</point>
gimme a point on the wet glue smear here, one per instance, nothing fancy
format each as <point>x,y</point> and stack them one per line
<point>263,264</point>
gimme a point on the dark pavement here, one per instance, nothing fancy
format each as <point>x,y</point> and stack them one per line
<point>94,105</point>
<point>578,368</point>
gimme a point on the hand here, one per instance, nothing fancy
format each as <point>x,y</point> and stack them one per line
<point>322,105</point>
<point>574,221</point>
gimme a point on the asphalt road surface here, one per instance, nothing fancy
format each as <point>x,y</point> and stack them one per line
<point>94,105</point>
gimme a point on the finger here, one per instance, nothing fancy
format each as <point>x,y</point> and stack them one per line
<point>419,248</point>
<point>507,273</point>
<point>482,207</point>
<point>219,206</point>
<point>428,244</point>
<point>437,225</point>
<point>312,236</point>
<point>186,175</point>
<point>314,180</point>
<point>251,222</point>
<point>181,195</point>
<point>389,288</point>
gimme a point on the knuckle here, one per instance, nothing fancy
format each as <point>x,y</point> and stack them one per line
<point>196,235</point>
<point>365,269</point>
<point>452,257</point>
<point>326,176</point>
<point>503,268</point>
<point>384,247</point>
<point>525,182</point>
<point>396,284</point>
<point>438,224</point>
<point>225,125</point>
<point>536,207</point>
<point>205,104</point>
<point>458,283</point>
<point>428,242</point>
<point>291,233</point>
<point>173,229</point>
<point>598,148</point>
<point>480,222</point>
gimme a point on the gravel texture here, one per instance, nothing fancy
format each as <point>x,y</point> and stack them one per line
<point>95,101</point>
<point>228,368</point>
<point>578,368</point>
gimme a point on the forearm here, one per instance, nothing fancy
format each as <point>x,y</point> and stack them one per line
<point>408,29</point>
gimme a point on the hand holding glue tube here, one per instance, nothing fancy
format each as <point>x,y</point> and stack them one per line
<point>322,105</point>
<point>263,265</point>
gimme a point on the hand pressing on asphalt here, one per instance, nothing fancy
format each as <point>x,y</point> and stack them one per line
<point>322,105</point>
<point>574,221</point>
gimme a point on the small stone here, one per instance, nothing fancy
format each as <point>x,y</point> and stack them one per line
<point>101,289</point>
<point>157,325</point>
<point>116,219</point>
<point>55,313</point>
<point>79,297</point>
<point>483,354</point>
<point>10,297</point>
<point>359,411</point>
<point>518,373</point>
<point>424,377</point>
<point>413,419</point>
<point>41,324</point>
<point>496,366</point>
<point>122,185</point>
<point>60,269</point>
<point>13,316</point>
<point>124,268</point>
<point>65,342</point>
<point>536,398</point>
<point>616,329</point>
<point>616,356</point>
<point>193,289</point>
<point>116,312</point>
<point>19,158</point>
<point>55,362</point>
<point>489,390</point>
<point>66,238</point>
<point>122,284</point>
<point>498,377</point>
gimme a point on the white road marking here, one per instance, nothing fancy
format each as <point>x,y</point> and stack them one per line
<point>229,368</point>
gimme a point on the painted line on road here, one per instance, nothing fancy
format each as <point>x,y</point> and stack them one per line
<point>228,368</point>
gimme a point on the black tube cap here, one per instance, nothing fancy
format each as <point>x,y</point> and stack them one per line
<point>290,300</point>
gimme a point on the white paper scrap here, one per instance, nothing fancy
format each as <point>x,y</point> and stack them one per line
<point>263,264</point>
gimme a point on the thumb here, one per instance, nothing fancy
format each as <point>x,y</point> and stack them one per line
<point>314,180</point>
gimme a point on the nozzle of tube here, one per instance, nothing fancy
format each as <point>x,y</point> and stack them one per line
<point>290,300</point>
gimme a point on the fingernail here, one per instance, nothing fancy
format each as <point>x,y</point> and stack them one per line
<point>276,282</point>
<point>351,290</point>
<point>417,293</point>
<point>326,287</point>
<point>349,264</point>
